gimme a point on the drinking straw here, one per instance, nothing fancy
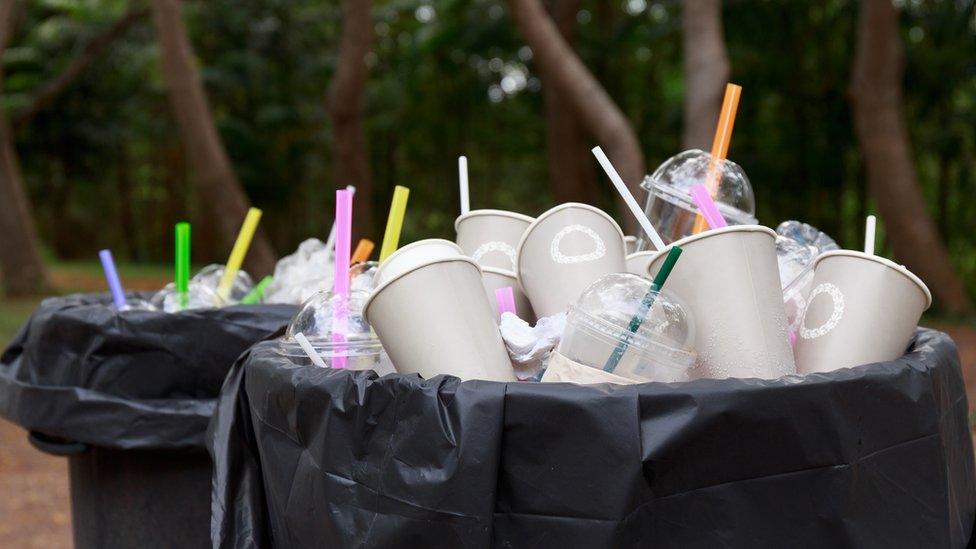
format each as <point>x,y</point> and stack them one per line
<point>363,250</point>
<point>112,277</point>
<point>792,335</point>
<point>183,263</point>
<point>720,144</point>
<point>505,297</point>
<point>628,198</point>
<point>237,254</point>
<point>645,306</point>
<point>309,350</point>
<point>340,278</point>
<point>869,235</point>
<point>707,207</point>
<point>257,292</point>
<point>330,241</point>
<point>391,238</point>
<point>463,178</point>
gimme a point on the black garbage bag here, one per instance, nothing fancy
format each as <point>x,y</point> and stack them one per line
<point>875,456</point>
<point>80,371</point>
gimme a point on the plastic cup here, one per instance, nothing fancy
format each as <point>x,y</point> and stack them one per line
<point>730,279</point>
<point>638,262</point>
<point>437,319</point>
<point>495,279</point>
<point>563,370</point>
<point>564,251</point>
<point>862,309</point>
<point>491,236</point>
<point>412,255</point>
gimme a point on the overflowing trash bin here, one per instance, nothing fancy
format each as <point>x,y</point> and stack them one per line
<point>127,397</point>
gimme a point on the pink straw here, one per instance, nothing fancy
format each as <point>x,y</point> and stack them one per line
<point>505,297</point>
<point>707,207</point>
<point>343,246</point>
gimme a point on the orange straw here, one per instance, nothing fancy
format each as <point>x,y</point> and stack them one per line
<point>720,145</point>
<point>363,249</point>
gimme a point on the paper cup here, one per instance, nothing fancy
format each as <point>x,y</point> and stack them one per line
<point>630,244</point>
<point>862,309</point>
<point>494,279</point>
<point>637,263</point>
<point>436,319</point>
<point>563,251</point>
<point>564,370</point>
<point>730,279</point>
<point>491,236</point>
<point>412,255</point>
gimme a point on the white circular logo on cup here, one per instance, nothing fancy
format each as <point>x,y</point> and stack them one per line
<point>599,249</point>
<point>495,246</point>
<point>836,314</point>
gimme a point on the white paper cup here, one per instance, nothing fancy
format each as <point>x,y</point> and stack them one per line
<point>730,279</point>
<point>491,236</point>
<point>412,255</point>
<point>630,244</point>
<point>436,319</point>
<point>638,262</point>
<point>564,251</point>
<point>494,279</point>
<point>862,309</point>
<point>563,370</point>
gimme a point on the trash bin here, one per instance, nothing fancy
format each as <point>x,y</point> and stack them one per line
<point>874,456</point>
<point>127,397</point>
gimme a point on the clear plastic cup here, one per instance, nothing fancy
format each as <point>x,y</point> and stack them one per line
<point>199,296</point>
<point>360,345</point>
<point>670,207</point>
<point>662,349</point>
<point>210,276</point>
<point>363,276</point>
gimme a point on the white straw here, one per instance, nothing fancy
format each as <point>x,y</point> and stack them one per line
<point>307,347</point>
<point>628,198</point>
<point>330,242</point>
<point>869,235</point>
<point>463,178</point>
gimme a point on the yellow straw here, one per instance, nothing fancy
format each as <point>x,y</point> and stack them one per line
<point>720,145</point>
<point>391,239</point>
<point>363,249</point>
<point>240,250</point>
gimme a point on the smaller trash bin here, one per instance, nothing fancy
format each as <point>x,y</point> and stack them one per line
<point>127,397</point>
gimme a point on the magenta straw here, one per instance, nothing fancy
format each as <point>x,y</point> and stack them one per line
<point>112,277</point>
<point>707,207</point>
<point>343,246</point>
<point>505,297</point>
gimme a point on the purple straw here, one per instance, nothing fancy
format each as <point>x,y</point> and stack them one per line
<point>112,277</point>
<point>505,297</point>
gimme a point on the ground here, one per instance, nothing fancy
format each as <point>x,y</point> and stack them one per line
<point>34,500</point>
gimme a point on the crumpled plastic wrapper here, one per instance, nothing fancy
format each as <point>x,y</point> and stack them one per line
<point>528,346</point>
<point>298,276</point>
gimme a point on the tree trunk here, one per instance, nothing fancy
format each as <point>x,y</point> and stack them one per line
<point>706,67</point>
<point>219,190</point>
<point>20,256</point>
<point>594,108</point>
<point>879,121</point>
<point>51,89</point>
<point>570,164</point>
<point>346,102</point>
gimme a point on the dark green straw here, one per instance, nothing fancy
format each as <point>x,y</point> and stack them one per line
<point>643,309</point>
<point>183,263</point>
<point>257,293</point>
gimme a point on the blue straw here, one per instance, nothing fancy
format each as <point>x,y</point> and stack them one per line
<point>112,276</point>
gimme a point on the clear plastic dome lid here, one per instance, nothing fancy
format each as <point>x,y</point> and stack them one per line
<point>363,275</point>
<point>198,296</point>
<point>610,304</point>
<point>678,174</point>
<point>210,276</point>
<point>315,320</point>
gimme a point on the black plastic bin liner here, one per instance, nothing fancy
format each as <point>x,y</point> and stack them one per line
<point>80,371</point>
<point>875,456</point>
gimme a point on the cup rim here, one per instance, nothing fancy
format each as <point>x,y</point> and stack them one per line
<point>488,211</point>
<point>884,261</point>
<point>711,232</point>
<point>497,271</point>
<point>639,254</point>
<point>386,283</point>
<point>415,244</point>
<point>550,212</point>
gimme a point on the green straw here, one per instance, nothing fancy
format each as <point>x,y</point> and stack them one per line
<point>183,263</point>
<point>643,309</point>
<point>257,292</point>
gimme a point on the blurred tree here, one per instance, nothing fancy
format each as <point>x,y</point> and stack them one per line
<point>346,102</point>
<point>877,101</point>
<point>706,70</point>
<point>220,192</point>
<point>21,268</point>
